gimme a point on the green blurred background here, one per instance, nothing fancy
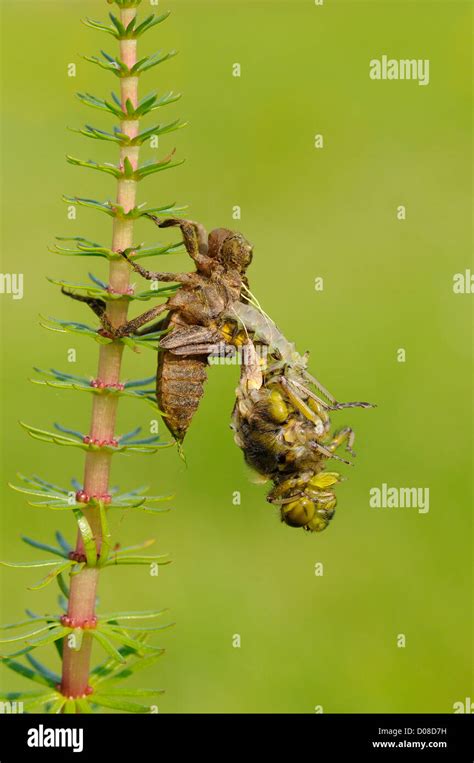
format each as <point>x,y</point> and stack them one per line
<point>305,640</point>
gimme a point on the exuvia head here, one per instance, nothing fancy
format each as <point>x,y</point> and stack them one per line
<point>236,252</point>
<point>231,249</point>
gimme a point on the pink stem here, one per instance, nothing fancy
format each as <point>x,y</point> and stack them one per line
<point>82,596</point>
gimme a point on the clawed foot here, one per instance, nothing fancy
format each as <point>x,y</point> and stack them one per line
<point>168,222</point>
<point>98,306</point>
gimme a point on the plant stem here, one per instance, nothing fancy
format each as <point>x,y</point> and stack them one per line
<point>76,664</point>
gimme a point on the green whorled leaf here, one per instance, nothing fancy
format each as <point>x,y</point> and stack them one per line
<point>36,486</point>
<point>44,547</point>
<point>130,111</point>
<point>107,645</point>
<point>133,446</point>
<point>67,548</point>
<point>77,569</point>
<point>129,501</point>
<point>51,505</point>
<point>14,696</point>
<point>29,621</point>
<point>41,483</point>
<point>117,67</point>
<point>141,630</point>
<point>89,131</point>
<point>88,288</point>
<point>145,449</point>
<point>127,173</point>
<point>48,674</point>
<point>149,396</point>
<point>159,498</point>
<point>160,559</point>
<point>102,206</point>
<point>120,635</point>
<point>26,672</point>
<point>27,565</point>
<point>138,503</point>
<point>44,699</point>
<point>52,437</point>
<point>66,430</point>
<point>145,106</point>
<point>151,102</point>
<point>119,673</point>
<point>162,292</point>
<point>84,248</point>
<point>29,491</point>
<point>104,670</point>
<point>109,169</point>
<point>150,168</point>
<point>141,252</point>
<point>110,672</point>
<point>157,130</point>
<point>49,638</point>
<point>113,692</point>
<point>70,707</point>
<point>104,700</point>
<point>53,373</point>
<point>83,705</point>
<point>75,387</point>
<point>58,645</point>
<point>33,616</point>
<point>57,706</point>
<point>26,636</point>
<point>120,28</point>
<point>136,491</point>
<point>138,252</point>
<point>124,140</point>
<point>135,547</point>
<point>72,327</point>
<point>106,537</point>
<point>100,27</point>
<point>98,281</point>
<point>100,103</point>
<point>114,65</point>
<point>150,509</point>
<point>156,499</point>
<point>128,436</point>
<point>147,614</point>
<point>148,23</point>
<point>148,62</point>
<point>87,537</point>
<point>63,603</point>
<point>115,210</point>
<point>168,210</point>
<point>132,383</point>
<point>59,501</point>
<point>62,587</point>
<point>53,574</point>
